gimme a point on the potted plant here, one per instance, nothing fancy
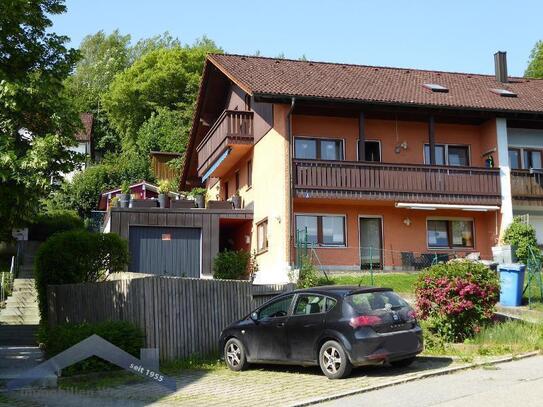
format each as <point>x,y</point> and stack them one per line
<point>164,188</point>
<point>114,202</point>
<point>236,200</point>
<point>124,196</point>
<point>199,196</point>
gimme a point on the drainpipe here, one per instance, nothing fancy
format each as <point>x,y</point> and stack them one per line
<point>290,158</point>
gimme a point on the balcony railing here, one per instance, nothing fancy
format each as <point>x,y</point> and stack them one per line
<point>526,186</point>
<point>233,127</point>
<point>383,181</point>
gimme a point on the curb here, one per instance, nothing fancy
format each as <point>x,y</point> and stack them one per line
<point>423,375</point>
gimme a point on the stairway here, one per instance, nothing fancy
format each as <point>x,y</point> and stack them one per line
<point>20,318</point>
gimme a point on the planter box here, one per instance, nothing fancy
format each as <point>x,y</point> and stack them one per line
<point>143,203</point>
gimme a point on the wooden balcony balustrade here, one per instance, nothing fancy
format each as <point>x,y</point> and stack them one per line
<point>407,182</point>
<point>232,128</point>
<point>526,186</point>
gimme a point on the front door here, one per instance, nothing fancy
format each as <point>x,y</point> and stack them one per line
<point>371,243</point>
<point>267,340</point>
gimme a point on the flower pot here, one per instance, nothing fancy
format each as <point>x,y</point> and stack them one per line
<point>200,201</point>
<point>236,200</point>
<point>124,200</point>
<point>163,200</point>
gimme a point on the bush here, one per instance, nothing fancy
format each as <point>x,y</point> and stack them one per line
<point>75,257</point>
<point>522,236</point>
<point>123,334</point>
<point>308,274</point>
<point>456,299</point>
<point>231,265</point>
<point>52,222</point>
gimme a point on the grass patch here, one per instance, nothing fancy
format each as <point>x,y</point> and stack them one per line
<point>507,338</point>
<point>399,282</point>
<point>208,363</point>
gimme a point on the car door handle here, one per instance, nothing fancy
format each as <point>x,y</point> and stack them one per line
<point>280,324</point>
<point>309,325</point>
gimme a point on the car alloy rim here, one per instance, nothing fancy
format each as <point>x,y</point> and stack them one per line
<point>331,359</point>
<point>233,354</point>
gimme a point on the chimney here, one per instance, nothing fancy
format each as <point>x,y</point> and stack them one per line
<point>500,66</point>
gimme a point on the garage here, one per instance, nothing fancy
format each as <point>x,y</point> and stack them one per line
<point>170,251</point>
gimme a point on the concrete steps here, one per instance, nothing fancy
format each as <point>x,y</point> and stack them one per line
<point>20,317</point>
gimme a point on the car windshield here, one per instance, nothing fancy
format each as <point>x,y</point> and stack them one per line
<point>372,302</point>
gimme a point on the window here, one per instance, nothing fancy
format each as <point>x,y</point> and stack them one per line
<point>434,87</point>
<point>514,158</point>
<point>310,304</point>
<point>322,230</point>
<point>372,150</point>
<point>318,149</point>
<point>448,155</point>
<point>249,173</point>
<point>450,233</point>
<point>525,158</point>
<point>237,180</point>
<point>262,235</point>
<point>532,159</point>
<point>276,309</point>
<point>369,303</point>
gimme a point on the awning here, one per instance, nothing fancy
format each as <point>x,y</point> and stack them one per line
<point>433,207</point>
<point>216,164</point>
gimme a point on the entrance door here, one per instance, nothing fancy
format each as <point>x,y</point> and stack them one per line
<point>165,251</point>
<point>371,243</point>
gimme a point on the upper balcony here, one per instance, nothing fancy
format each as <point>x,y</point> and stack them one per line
<point>406,182</point>
<point>230,137</point>
<point>527,186</point>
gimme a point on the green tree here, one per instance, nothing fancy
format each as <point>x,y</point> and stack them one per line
<point>162,78</point>
<point>102,57</point>
<point>36,121</point>
<point>535,63</point>
<point>165,130</point>
<point>146,45</point>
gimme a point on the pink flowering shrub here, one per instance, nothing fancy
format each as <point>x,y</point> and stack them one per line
<point>456,299</point>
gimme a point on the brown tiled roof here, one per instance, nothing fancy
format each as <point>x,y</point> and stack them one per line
<point>360,83</point>
<point>85,134</point>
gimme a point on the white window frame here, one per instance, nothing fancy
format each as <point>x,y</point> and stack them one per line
<point>521,149</point>
<point>325,138</point>
<point>447,153</point>
<point>452,248</point>
<point>372,140</point>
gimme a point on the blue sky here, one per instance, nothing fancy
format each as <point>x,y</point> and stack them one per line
<point>453,35</point>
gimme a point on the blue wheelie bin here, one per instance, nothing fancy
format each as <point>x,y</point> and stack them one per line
<point>511,284</point>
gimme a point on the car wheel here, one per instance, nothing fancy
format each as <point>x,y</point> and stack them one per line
<point>234,355</point>
<point>333,361</point>
<point>402,362</point>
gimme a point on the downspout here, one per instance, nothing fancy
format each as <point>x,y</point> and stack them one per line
<point>291,195</point>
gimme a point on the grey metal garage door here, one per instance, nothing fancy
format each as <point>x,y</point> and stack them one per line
<point>165,251</point>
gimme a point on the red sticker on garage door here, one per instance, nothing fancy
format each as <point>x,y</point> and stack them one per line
<point>166,236</point>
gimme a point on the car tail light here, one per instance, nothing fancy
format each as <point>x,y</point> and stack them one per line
<point>411,314</point>
<point>365,320</point>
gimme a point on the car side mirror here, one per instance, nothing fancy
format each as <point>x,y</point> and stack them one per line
<point>254,316</point>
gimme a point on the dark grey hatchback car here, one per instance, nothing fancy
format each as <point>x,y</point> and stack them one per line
<point>335,327</point>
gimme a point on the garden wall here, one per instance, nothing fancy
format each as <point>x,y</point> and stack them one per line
<point>180,316</point>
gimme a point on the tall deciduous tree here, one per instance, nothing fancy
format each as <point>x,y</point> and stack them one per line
<point>535,63</point>
<point>36,122</point>
<point>167,78</point>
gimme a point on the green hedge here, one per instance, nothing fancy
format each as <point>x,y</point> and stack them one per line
<point>123,334</point>
<point>77,256</point>
<point>47,224</point>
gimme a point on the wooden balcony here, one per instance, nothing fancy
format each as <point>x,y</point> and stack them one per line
<point>527,187</point>
<point>409,183</point>
<point>228,139</point>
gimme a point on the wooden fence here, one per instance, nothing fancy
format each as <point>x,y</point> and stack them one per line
<point>180,316</point>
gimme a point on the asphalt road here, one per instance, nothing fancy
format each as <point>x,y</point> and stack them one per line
<point>511,384</point>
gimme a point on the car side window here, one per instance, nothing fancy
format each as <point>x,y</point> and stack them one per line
<point>276,309</point>
<point>310,304</point>
<point>330,302</point>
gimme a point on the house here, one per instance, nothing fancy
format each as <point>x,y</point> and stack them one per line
<point>161,164</point>
<point>139,190</point>
<point>366,166</point>
<point>84,141</point>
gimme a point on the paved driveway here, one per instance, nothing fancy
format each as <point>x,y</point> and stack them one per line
<point>270,385</point>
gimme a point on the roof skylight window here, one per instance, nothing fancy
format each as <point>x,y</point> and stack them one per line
<point>504,93</point>
<point>434,87</point>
